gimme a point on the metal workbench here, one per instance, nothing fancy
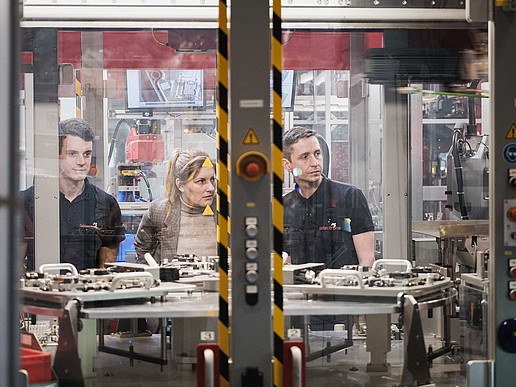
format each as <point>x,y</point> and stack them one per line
<point>171,300</point>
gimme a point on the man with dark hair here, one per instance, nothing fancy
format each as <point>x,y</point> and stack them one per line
<point>325,221</point>
<point>90,219</point>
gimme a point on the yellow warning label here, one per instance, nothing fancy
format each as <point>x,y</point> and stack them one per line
<point>207,163</point>
<point>208,211</point>
<point>511,133</point>
<point>251,138</point>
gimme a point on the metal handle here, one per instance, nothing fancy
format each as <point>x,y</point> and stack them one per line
<point>297,366</point>
<point>392,262</point>
<point>328,277</point>
<point>58,266</point>
<point>209,368</point>
<point>144,276</point>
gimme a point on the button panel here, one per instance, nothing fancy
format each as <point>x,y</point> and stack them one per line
<point>251,253</point>
<point>510,222</point>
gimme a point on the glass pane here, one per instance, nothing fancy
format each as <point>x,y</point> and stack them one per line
<point>141,97</point>
<point>397,112</point>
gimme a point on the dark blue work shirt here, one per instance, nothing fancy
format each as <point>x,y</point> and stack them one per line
<point>320,229</point>
<point>91,221</point>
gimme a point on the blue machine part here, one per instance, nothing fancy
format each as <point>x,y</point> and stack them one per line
<point>126,252</point>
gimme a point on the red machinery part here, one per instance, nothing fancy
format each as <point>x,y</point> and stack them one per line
<point>144,148</point>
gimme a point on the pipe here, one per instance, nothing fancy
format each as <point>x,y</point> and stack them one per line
<point>209,368</point>
<point>297,366</point>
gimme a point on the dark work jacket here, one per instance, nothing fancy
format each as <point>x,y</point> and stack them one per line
<point>91,221</point>
<point>321,228</point>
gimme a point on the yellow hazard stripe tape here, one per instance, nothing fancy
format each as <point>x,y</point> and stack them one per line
<point>78,95</point>
<point>277,207</point>
<point>223,192</point>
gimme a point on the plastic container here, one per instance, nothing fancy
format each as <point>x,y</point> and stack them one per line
<point>37,364</point>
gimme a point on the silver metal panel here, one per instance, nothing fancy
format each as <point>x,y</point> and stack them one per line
<point>396,243</point>
<point>99,12</point>
<point>92,45</point>
<point>250,109</point>
<point>358,115</point>
<point>372,14</point>
<point>27,123</point>
<point>46,184</point>
<point>452,228</point>
<point>371,294</point>
<point>503,112</point>
<point>416,143</point>
<point>480,373</point>
<point>31,294</point>
<point>117,12</point>
<point>477,10</point>
<point>433,193</point>
<point>9,216</point>
<point>286,3</point>
<point>207,306</point>
<point>203,304</point>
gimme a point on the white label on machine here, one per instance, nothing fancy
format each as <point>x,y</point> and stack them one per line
<point>207,336</point>
<point>294,333</point>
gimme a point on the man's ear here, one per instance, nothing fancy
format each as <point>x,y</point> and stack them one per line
<point>286,164</point>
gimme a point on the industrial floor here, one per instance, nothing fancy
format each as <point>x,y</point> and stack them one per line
<point>343,368</point>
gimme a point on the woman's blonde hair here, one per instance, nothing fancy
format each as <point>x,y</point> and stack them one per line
<point>183,164</point>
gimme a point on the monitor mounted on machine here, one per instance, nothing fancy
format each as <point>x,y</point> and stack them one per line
<point>165,89</point>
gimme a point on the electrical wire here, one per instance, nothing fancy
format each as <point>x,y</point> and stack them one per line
<point>147,183</point>
<point>458,174</point>
<point>113,140</point>
<point>292,33</point>
<point>156,40</point>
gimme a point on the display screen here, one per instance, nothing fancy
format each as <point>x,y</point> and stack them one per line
<point>164,89</point>
<point>288,89</point>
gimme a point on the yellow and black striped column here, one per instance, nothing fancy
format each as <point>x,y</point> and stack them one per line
<point>223,192</point>
<point>277,183</point>
<point>78,94</point>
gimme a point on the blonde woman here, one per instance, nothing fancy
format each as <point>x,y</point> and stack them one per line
<point>181,223</point>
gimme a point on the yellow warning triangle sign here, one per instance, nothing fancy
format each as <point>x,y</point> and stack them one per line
<point>208,211</point>
<point>207,163</point>
<point>511,133</point>
<point>251,138</point>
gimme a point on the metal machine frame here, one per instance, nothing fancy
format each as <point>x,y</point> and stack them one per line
<point>299,14</point>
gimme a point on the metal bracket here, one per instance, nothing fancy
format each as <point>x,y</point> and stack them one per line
<point>480,373</point>
<point>416,368</point>
<point>67,363</point>
<point>477,11</point>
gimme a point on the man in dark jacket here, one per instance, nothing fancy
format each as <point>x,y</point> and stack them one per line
<point>325,221</point>
<point>90,219</point>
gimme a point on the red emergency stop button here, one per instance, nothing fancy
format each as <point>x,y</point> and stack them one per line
<point>252,169</point>
<point>251,166</point>
<point>511,214</point>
